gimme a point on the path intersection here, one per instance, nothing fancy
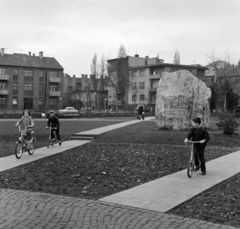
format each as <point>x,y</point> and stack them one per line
<point>137,208</point>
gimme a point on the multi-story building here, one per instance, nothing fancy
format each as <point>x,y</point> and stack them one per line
<point>30,82</point>
<point>85,91</point>
<point>143,75</point>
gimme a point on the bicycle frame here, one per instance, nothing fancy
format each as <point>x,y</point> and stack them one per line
<point>49,137</point>
<point>22,131</point>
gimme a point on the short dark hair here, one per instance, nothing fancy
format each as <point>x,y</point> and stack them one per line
<point>27,111</point>
<point>197,120</point>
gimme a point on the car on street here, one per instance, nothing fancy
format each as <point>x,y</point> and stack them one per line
<point>68,110</point>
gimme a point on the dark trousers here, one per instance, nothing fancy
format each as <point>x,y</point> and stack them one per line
<point>199,156</point>
<point>57,134</point>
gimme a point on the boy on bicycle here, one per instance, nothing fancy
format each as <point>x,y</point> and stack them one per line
<point>26,121</point>
<point>54,123</point>
<point>197,133</point>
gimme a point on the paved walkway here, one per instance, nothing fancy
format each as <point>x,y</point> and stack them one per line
<point>168,192</point>
<point>140,207</point>
<point>28,210</point>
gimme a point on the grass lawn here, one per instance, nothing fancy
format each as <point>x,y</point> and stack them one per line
<point>9,132</point>
<point>124,158</point>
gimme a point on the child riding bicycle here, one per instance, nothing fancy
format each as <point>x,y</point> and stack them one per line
<point>197,133</point>
<point>54,123</point>
<point>26,121</point>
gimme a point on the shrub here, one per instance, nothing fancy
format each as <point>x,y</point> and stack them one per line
<point>228,123</point>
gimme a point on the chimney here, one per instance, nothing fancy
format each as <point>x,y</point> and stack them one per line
<point>74,76</point>
<point>2,51</point>
<point>146,60</point>
<point>239,63</point>
<point>136,55</point>
<point>29,53</point>
<point>41,55</point>
<point>33,54</point>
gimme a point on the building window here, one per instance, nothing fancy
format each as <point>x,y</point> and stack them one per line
<point>134,98</point>
<point>15,101</point>
<point>15,87</point>
<point>40,74</point>
<point>40,87</point>
<point>141,97</point>
<point>3,86</point>
<point>134,85</point>
<point>3,100</point>
<point>70,88</point>
<point>142,85</point>
<point>3,71</point>
<point>28,87</point>
<point>134,73</point>
<point>53,74</point>
<point>53,88</point>
<point>15,72</point>
<point>28,103</point>
<point>40,102</point>
<point>15,78</point>
<point>142,73</point>
<point>28,73</point>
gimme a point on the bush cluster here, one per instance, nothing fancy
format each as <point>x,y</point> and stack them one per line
<point>228,123</point>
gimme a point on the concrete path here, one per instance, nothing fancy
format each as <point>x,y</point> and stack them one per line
<point>167,192</point>
<point>104,129</point>
<point>11,161</point>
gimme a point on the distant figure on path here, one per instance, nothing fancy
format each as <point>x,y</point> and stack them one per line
<point>53,122</point>
<point>140,112</point>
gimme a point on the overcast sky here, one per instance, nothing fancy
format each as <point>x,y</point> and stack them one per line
<point>72,31</point>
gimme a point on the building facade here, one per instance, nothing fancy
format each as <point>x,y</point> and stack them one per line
<point>84,91</point>
<point>30,82</point>
<point>143,75</point>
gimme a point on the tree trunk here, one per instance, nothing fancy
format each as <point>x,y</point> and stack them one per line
<point>225,102</point>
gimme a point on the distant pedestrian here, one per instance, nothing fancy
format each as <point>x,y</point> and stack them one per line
<point>197,133</point>
<point>140,112</point>
<point>53,122</point>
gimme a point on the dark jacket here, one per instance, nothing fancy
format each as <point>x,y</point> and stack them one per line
<point>140,110</point>
<point>53,121</point>
<point>198,135</point>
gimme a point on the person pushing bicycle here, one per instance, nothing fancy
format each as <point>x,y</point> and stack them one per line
<point>197,133</point>
<point>54,123</point>
<point>26,121</point>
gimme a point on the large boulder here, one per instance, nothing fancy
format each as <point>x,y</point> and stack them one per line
<point>180,98</point>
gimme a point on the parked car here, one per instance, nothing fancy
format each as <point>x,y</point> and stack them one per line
<point>68,110</point>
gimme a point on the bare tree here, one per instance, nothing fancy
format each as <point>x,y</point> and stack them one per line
<point>103,66</point>
<point>118,77</point>
<point>176,59</point>
<point>94,66</point>
<point>224,77</point>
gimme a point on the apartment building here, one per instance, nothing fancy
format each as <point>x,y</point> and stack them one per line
<point>85,91</point>
<point>143,75</point>
<point>30,82</point>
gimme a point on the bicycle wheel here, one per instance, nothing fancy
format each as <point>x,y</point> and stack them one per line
<point>31,148</point>
<point>190,169</point>
<point>18,150</point>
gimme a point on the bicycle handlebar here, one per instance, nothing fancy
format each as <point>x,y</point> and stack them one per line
<point>54,128</point>
<point>27,127</point>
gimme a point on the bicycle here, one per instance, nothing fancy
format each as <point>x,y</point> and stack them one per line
<point>191,164</point>
<point>23,144</point>
<point>50,140</point>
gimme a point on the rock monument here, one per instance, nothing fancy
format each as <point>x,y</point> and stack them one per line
<point>180,98</point>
